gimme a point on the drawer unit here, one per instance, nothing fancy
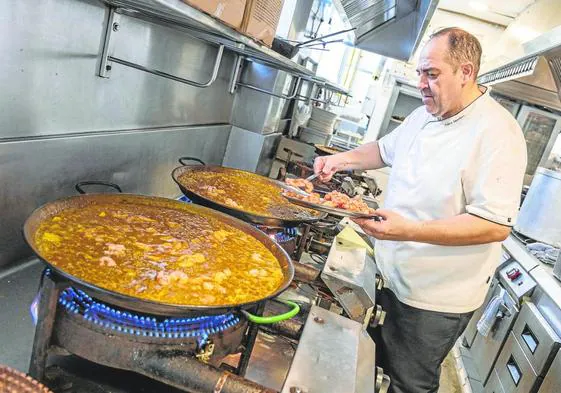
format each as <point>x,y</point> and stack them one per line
<point>513,368</point>
<point>538,340</point>
<point>494,384</point>
<point>552,381</point>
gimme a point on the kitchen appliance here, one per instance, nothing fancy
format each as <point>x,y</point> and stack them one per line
<point>541,130</point>
<point>540,213</point>
<point>389,28</point>
<point>552,381</point>
<point>529,69</point>
<point>528,352</point>
<point>165,349</point>
<point>512,283</point>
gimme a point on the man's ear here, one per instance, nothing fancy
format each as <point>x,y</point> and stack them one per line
<point>468,72</point>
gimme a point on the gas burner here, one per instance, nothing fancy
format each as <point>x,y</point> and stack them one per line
<point>13,381</point>
<point>279,234</point>
<point>78,302</point>
<point>285,237</point>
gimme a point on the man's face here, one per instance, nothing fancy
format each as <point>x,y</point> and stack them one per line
<point>440,83</point>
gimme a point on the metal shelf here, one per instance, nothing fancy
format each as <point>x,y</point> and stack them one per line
<point>175,13</point>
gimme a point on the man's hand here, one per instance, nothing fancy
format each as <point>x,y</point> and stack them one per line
<point>462,230</point>
<point>392,226</point>
<point>327,166</point>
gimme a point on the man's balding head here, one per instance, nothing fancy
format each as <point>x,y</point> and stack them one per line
<point>463,47</point>
<point>447,68</point>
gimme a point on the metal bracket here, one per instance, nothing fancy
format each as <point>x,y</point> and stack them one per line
<point>284,97</point>
<point>238,64</point>
<point>106,59</point>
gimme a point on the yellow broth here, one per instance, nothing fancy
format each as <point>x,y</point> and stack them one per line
<point>159,254</point>
<point>243,191</point>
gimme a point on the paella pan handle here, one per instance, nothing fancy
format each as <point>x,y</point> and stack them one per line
<point>182,159</point>
<point>80,190</point>
<point>274,318</point>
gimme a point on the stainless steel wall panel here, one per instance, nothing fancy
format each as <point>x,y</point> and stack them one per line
<point>50,57</point>
<point>256,111</point>
<point>33,172</point>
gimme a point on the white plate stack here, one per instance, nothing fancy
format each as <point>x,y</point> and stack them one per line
<point>320,127</point>
<point>322,120</point>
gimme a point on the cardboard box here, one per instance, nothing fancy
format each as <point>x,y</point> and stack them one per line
<point>230,12</point>
<point>261,19</point>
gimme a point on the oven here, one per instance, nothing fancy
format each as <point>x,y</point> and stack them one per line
<point>471,329</point>
<point>511,284</point>
<point>527,354</point>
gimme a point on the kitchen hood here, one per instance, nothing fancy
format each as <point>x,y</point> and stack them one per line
<point>391,28</point>
<point>535,77</point>
<point>533,74</point>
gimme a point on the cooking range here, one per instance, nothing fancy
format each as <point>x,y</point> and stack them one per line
<point>213,351</point>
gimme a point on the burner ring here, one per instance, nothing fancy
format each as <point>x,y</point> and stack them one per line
<point>77,302</point>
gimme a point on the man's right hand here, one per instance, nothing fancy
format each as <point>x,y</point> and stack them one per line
<point>327,166</point>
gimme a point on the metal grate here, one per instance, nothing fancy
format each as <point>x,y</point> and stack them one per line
<point>555,65</point>
<point>510,71</point>
<point>360,12</point>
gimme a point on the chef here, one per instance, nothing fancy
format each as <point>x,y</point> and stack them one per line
<point>457,164</point>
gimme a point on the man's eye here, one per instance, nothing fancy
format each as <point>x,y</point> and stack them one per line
<point>432,75</point>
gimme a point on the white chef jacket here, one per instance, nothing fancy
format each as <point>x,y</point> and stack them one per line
<point>473,162</point>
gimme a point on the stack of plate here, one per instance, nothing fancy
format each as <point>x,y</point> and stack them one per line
<point>322,120</point>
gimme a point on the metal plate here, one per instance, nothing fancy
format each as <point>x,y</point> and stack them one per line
<point>299,217</point>
<point>351,275</point>
<point>333,210</point>
<point>135,303</point>
<point>334,354</point>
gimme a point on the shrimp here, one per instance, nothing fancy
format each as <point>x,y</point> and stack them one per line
<point>107,261</point>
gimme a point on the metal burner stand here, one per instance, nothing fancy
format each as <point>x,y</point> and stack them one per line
<point>170,357</point>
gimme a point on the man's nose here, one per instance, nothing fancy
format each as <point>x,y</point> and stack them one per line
<point>423,83</point>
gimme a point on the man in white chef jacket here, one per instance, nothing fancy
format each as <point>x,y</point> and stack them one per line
<point>457,164</point>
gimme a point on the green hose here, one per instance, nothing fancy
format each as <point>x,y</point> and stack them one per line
<point>274,318</point>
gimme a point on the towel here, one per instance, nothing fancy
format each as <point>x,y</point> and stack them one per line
<point>489,317</point>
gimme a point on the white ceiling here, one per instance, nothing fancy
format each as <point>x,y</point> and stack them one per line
<point>500,12</point>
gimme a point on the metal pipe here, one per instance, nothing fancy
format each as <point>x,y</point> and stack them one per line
<point>162,74</point>
<point>290,328</point>
<point>284,97</point>
<point>188,374</point>
<point>305,273</point>
<point>326,36</point>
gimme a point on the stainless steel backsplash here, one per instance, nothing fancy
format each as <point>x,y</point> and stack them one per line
<point>61,123</point>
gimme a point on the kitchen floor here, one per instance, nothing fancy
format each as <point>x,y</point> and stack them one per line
<point>449,382</point>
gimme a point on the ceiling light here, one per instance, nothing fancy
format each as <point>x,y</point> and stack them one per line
<point>479,6</point>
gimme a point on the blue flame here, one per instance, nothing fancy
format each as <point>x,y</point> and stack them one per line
<point>76,301</point>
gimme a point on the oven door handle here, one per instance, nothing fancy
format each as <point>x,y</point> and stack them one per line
<point>504,312</point>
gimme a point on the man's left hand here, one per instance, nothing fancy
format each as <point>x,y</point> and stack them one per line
<point>392,226</point>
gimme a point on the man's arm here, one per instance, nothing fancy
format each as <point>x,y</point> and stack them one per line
<point>462,230</point>
<point>366,156</point>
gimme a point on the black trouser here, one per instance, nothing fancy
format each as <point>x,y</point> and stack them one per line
<point>413,343</point>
